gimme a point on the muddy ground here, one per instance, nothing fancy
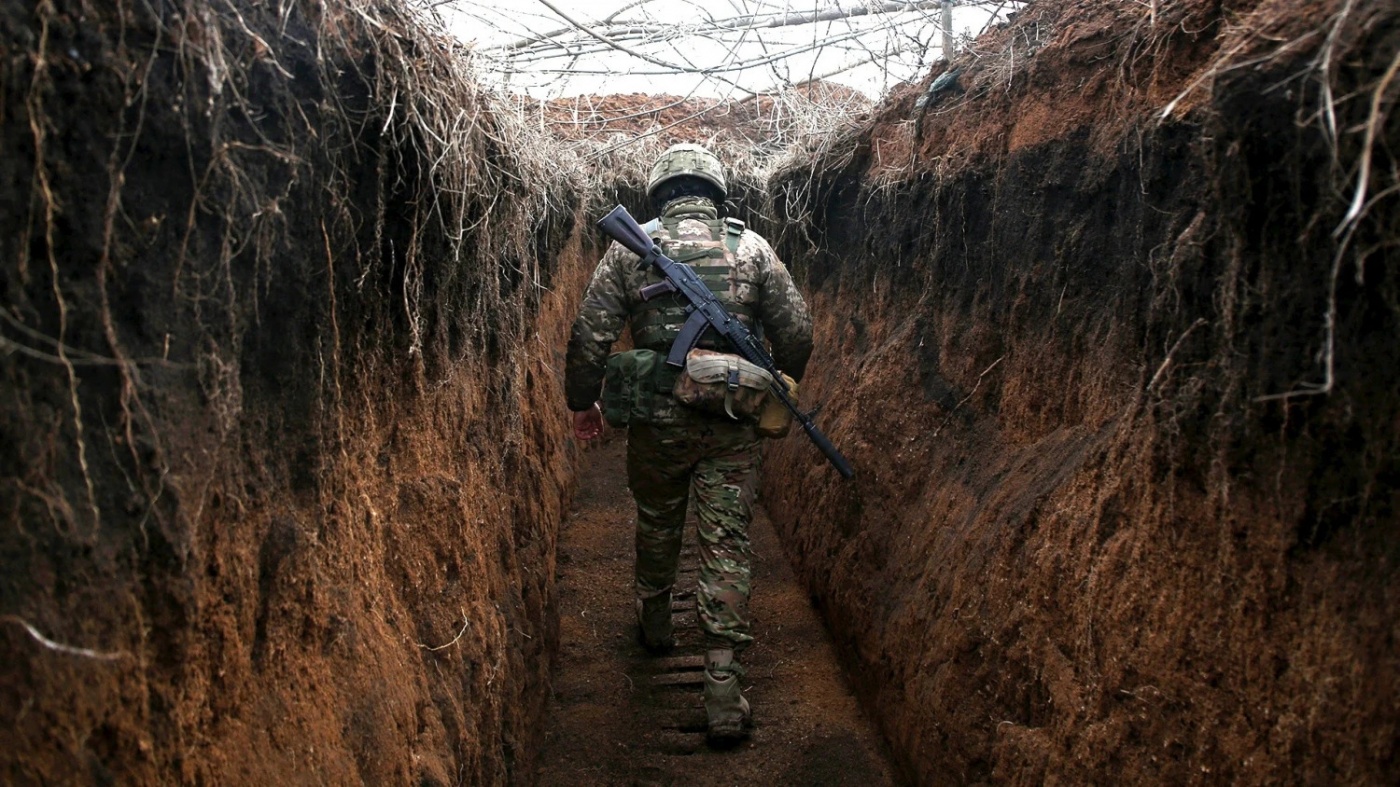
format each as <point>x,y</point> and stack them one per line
<point>619,716</point>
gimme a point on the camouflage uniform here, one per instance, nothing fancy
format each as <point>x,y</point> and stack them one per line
<point>682,447</point>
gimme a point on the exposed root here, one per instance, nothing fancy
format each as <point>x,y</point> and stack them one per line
<point>67,650</point>
<point>43,193</point>
<point>465,625</point>
<point>967,398</point>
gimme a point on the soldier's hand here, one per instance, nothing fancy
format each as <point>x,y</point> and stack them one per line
<point>588,424</point>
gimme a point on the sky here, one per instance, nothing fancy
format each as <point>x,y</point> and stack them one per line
<point>682,38</point>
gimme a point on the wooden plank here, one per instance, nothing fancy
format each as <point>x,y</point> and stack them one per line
<point>676,663</point>
<point>677,743</point>
<point>679,679</point>
<point>665,700</point>
<point>684,720</point>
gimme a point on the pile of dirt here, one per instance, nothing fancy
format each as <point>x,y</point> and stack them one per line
<point>1106,322</point>
<point>281,466</point>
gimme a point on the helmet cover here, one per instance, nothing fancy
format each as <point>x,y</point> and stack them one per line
<point>686,160</point>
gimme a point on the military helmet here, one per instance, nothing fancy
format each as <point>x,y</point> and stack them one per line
<point>686,160</point>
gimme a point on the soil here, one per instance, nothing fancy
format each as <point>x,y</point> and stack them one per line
<point>1103,327</point>
<point>619,716</point>
<point>1105,528</point>
<point>278,487</point>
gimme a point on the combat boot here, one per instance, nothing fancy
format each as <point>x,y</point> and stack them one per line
<point>726,710</point>
<point>656,631</point>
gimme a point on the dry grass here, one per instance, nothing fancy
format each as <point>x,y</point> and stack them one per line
<point>604,146</point>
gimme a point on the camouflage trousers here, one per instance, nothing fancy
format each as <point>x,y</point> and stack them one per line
<point>720,462</point>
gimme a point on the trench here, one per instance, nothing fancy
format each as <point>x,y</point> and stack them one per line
<point>1105,321</point>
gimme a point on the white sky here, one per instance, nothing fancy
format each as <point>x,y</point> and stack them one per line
<point>902,45</point>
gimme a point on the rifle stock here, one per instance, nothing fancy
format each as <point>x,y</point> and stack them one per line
<point>621,227</point>
<point>707,311</point>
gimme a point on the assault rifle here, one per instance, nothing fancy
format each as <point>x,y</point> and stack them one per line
<point>707,312</point>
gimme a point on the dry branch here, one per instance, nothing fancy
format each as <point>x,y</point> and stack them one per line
<point>747,22</point>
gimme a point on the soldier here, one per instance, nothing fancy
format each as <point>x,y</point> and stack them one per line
<point>672,448</point>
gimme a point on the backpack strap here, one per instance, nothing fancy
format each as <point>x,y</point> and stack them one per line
<point>733,231</point>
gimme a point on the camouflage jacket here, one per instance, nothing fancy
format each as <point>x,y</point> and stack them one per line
<point>760,292</point>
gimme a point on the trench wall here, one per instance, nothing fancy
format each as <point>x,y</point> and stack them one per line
<point>1121,392</point>
<point>281,467</point>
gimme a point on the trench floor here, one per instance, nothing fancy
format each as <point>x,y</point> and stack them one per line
<point>622,717</point>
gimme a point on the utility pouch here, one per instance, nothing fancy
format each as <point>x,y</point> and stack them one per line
<point>630,386</point>
<point>722,384</point>
<point>774,420</point>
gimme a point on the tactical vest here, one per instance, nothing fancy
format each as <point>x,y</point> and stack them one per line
<point>656,323</point>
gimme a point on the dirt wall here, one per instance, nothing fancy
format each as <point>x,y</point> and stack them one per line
<point>280,472</point>
<point>1117,369</point>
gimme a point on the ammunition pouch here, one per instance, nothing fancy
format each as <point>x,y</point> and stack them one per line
<point>722,384</point>
<point>632,385</point>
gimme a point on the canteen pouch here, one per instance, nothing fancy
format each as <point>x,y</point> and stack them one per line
<point>722,384</point>
<point>629,386</point>
<point>774,419</point>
